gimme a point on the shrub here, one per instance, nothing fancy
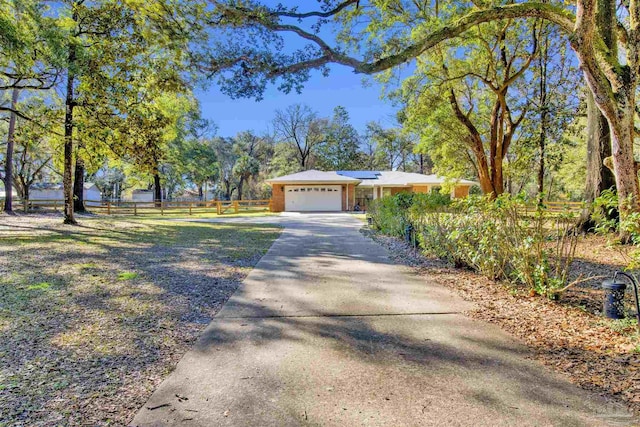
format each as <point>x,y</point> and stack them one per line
<point>386,216</point>
<point>391,215</point>
<point>605,216</point>
<point>501,238</point>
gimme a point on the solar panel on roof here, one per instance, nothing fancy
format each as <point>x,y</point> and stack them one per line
<point>359,174</point>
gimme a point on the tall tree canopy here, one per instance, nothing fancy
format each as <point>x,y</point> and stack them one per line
<point>370,44</point>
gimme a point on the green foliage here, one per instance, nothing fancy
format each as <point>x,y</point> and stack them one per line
<point>605,214</point>
<point>246,166</point>
<point>502,238</point>
<point>339,151</point>
<point>392,214</point>
<point>391,147</point>
<point>387,216</point>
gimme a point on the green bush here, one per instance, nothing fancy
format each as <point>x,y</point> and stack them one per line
<point>391,215</point>
<point>606,217</point>
<point>502,238</point>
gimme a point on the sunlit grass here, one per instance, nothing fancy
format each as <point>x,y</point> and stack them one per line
<point>127,275</point>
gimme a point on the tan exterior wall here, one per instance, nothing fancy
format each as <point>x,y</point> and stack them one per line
<point>461,191</point>
<point>352,197</point>
<point>420,189</point>
<point>277,198</point>
<point>396,190</point>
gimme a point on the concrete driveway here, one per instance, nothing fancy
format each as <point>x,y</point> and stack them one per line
<point>327,331</point>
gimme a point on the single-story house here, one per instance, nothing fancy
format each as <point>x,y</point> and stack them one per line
<point>314,190</point>
<point>48,191</point>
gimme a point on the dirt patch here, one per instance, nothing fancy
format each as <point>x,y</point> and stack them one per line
<point>596,353</point>
<point>93,317</point>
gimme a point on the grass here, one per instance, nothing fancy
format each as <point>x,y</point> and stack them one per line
<point>185,214</point>
<point>362,217</point>
<point>127,275</point>
<point>93,317</point>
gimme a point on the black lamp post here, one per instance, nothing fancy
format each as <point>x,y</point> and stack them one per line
<point>614,296</point>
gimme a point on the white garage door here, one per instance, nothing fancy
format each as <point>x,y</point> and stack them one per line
<point>313,198</point>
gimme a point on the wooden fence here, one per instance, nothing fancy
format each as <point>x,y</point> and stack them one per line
<point>564,206</point>
<point>559,207</point>
<point>153,208</point>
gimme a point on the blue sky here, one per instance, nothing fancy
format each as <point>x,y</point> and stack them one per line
<point>322,94</point>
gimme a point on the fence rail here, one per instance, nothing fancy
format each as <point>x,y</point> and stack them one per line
<point>558,207</point>
<point>150,208</point>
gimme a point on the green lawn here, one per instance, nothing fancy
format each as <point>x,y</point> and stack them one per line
<point>93,317</point>
<point>185,214</point>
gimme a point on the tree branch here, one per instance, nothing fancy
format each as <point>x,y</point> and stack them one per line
<point>318,14</point>
<point>563,19</point>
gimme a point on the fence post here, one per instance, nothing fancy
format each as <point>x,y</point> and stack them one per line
<point>25,205</point>
<point>190,206</point>
<point>236,206</point>
<point>270,207</point>
<point>162,207</point>
<point>135,208</point>
<point>108,207</point>
<point>218,207</point>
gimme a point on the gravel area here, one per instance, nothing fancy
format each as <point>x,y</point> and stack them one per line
<point>93,317</point>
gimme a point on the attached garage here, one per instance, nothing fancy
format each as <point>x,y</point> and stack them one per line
<point>305,198</point>
<point>313,191</point>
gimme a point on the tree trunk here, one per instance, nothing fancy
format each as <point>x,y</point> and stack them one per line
<point>484,175</point>
<point>624,164</point>
<point>227,189</point>
<point>498,178</point>
<point>490,178</point>
<point>614,93</point>
<point>200,193</point>
<point>78,186</point>
<point>8,161</point>
<point>542,146</point>
<point>543,59</point>
<point>157,190</point>
<point>67,177</point>
<point>599,177</point>
<point>240,185</point>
